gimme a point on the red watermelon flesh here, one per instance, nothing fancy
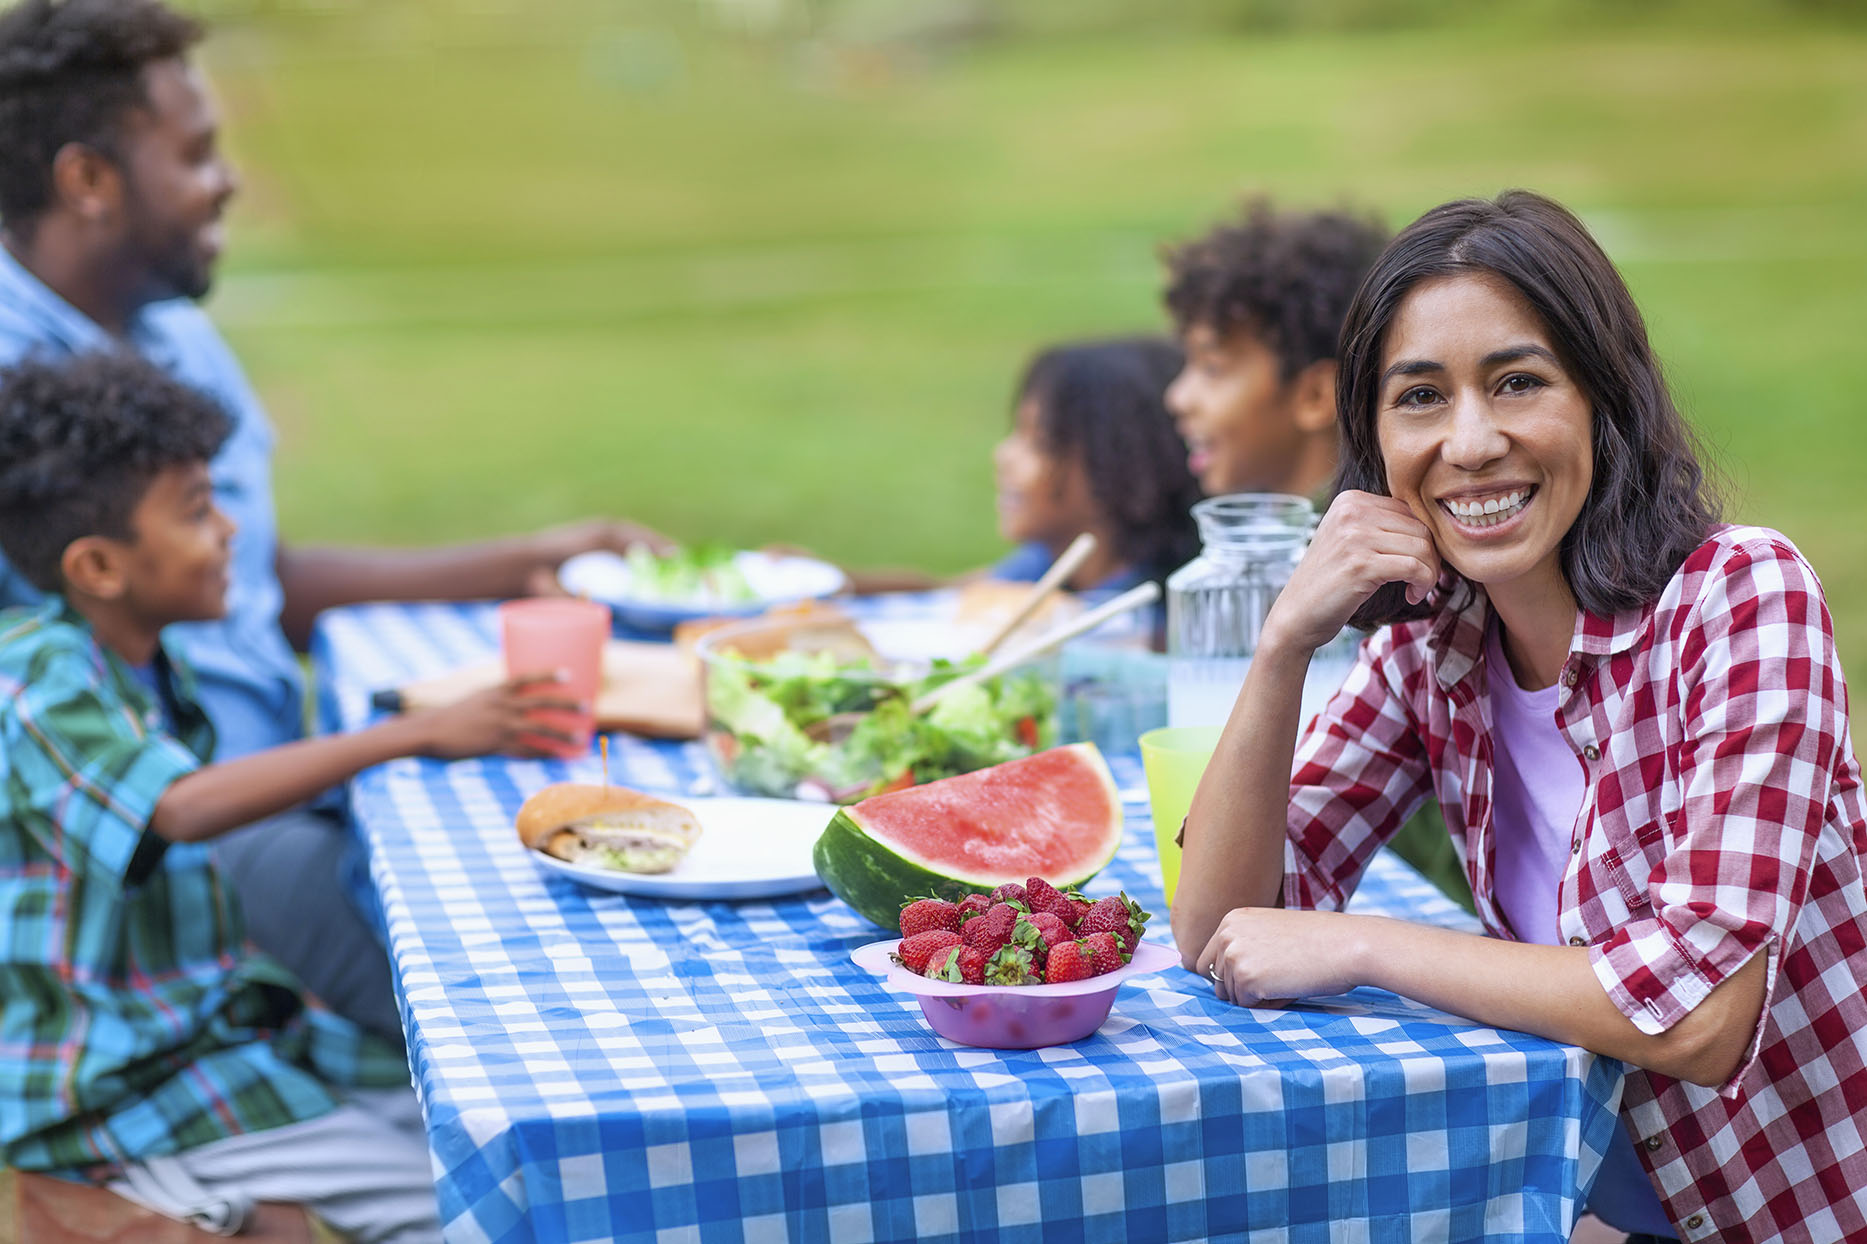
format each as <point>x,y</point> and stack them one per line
<point>1054,815</point>
<point>1022,819</point>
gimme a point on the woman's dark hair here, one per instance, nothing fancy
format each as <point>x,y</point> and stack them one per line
<point>1102,403</point>
<point>1285,277</point>
<point>1650,504</point>
<point>69,70</point>
<point>81,440</point>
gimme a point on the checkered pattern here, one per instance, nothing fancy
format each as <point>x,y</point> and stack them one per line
<point>1723,817</point>
<point>133,1022</point>
<point>601,1068</point>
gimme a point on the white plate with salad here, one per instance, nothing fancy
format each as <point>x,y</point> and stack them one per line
<point>654,592</point>
<point>748,848</point>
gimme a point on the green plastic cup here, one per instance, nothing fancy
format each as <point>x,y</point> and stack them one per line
<point>1174,758</point>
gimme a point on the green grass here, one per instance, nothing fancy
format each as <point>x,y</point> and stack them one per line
<point>501,269</point>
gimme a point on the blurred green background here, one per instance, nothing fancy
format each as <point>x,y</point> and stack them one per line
<point>765,270</point>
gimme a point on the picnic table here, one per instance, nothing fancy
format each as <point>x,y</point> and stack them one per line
<point>596,1067</point>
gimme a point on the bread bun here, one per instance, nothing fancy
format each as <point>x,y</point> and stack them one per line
<point>610,826</point>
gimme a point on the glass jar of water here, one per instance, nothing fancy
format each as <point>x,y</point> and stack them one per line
<point>1250,544</point>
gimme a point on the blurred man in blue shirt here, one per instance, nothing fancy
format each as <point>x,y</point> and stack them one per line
<point>112,191</point>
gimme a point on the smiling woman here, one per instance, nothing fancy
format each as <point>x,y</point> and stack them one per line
<point>1633,718</point>
<point>1444,281</point>
<point>1485,437</point>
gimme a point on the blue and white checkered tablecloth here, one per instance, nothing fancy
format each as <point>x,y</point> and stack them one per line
<point>599,1068</point>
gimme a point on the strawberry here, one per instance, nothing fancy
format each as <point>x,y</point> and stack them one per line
<point>963,965</point>
<point>973,905</point>
<point>1068,962</point>
<point>1104,951</point>
<point>1038,933</point>
<point>914,952</point>
<point>921,914</point>
<point>1078,908</point>
<point>1010,892</point>
<point>1052,927</point>
<point>991,930</point>
<point>972,963</point>
<point>1042,896</point>
<point>1011,965</point>
<point>1121,916</point>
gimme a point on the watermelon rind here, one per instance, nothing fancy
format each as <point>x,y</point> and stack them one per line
<point>875,878</point>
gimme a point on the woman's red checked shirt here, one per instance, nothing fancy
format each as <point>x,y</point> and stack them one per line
<point>1723,817</point>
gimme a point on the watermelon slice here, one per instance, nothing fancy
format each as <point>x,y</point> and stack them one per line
<point>1055,815</point>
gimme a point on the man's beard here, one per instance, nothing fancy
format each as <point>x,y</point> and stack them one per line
<point>179,272</point>
<point>173,265</point>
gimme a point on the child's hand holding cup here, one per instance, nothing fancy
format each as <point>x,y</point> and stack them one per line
<point>564,635</point>
<point>499,719</point>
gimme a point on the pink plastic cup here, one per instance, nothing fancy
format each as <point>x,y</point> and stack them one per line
<point>538,636</point>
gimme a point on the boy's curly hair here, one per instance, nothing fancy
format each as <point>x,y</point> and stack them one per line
<point>81,440</point>
<point>1285,277</point>
<point>69,70</point>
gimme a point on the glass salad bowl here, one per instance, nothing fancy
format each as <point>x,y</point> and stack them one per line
<point>803,706</point>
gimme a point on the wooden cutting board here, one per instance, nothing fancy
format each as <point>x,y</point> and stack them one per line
<point>648,689</point>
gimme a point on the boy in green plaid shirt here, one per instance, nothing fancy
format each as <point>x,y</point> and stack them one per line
<point>143,1044</point>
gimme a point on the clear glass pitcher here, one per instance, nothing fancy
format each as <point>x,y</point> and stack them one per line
<point>1217,603</point>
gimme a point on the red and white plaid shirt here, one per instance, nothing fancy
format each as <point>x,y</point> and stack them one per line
<point>1723,816</point>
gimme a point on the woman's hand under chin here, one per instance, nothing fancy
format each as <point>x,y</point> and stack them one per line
<point>1265,956</point>
<point>1363,543</point>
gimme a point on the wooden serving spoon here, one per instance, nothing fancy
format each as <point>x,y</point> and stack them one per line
<point>836,727</point>
<point>1132,599</point>
<point>1060,571</point>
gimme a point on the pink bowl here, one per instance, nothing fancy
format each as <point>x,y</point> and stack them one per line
<point>1013,1017</point>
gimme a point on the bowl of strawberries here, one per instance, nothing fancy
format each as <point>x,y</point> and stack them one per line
<point>1023,967</point>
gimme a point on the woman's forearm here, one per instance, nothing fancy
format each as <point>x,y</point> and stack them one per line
<point>1552,991</point>
<point>1235,830</point>
<point>1234,850</point>
<point>1263,956</point>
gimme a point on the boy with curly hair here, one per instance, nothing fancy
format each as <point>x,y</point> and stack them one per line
<point>1258,304</point>
<point>144,1044</point>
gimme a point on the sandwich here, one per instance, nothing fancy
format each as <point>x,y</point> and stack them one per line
<point>607,827</point>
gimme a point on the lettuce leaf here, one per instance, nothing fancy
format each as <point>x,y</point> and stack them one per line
<point>768,705</point>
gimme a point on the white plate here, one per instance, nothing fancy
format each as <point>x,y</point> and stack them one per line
<point>775,579</point>
<point>748,848</point>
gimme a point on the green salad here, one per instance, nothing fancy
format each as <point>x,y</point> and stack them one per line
<point>760,712</point>
<point>704,574</point>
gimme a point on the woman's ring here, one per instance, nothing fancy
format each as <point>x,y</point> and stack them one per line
<point>1213,971</point>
